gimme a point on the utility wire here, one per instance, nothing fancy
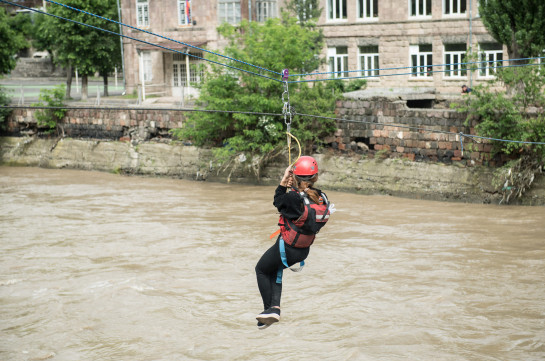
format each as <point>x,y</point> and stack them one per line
<point>412,73</point>
<point>141,108</point>
<point>260,68</point>
<point>141,41</point>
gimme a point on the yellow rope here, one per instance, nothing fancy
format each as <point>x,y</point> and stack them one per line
<point>289,148</point>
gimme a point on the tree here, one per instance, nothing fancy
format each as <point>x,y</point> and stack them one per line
<point>519,24</point>
<point>519,116</point>
<point>11,42</point>
<point>276,44</point>
<point>304,10</point>
<point>89,50</point>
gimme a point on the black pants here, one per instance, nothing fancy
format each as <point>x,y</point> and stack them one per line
<point>267,269</point>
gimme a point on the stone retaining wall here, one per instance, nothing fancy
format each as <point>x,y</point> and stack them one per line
<point>103,123</point>
<point>381,124</point>
<point>37,68</point>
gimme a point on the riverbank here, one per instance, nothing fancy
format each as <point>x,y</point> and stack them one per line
<point>357,174</point>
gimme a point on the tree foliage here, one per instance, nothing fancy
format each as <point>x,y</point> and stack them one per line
<point>277,44</point>
<point>11,41</point>
<point>89,50</point>
<point>519,24</point>
<point>517,116</point>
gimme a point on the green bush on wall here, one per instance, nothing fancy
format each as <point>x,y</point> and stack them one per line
<point>53,98</point>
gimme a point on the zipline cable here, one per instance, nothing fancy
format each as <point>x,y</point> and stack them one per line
<point>141,41</point>
<point>410,127</point>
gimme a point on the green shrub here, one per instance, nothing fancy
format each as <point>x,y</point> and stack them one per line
<point>54,98</point>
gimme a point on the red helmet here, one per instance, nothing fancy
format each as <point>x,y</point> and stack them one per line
<point>305,166</point>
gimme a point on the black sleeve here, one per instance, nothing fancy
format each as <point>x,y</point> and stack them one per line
<point>288,204</point>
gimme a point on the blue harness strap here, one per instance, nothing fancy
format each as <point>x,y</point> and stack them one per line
<point>284,261</point>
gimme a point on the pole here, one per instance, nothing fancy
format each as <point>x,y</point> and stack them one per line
<point>77,81</point>
<point>187,69</point>
<point>250,10</point>
<point>142,78</point>
<point>121,42</point>
<point>470,40</point>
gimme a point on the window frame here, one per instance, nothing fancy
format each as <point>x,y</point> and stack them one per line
<point>425,4</point>
<point>340,61</point>
<point>187,18</point>
<point>363,10</point>
<point>458,68</point>
<point>142,13</point>
<point>450,6</point>
<point>365,57</point>
<point>266,9</point>
<point>427,56</point>
<point>336,7</point>
<point>235,17</point>
<point>489,73</point>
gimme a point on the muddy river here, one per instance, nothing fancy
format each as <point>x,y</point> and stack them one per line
<point>97,266</point>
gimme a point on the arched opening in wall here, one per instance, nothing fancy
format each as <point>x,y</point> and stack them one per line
<point>420,103</point>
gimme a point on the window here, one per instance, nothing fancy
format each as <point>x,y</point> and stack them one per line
<point>146,66</point>
<point>454,7</point>
<point>229,11</point>
<point>421,60</point>
<point>338,60</point>
<point>369,60</point>
<point>265,10</point>
<point>420,7</point>
<point>142,13</point>
<point>336,9</point>
<point>491,56</point>
<point>184,12</point>
<point>454,55</point>
<point>368,9</point>
<point>179,69</point>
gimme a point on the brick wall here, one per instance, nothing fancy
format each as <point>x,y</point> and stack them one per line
<point>103,123</point>
<point>381,125</point>
<point>370,126</point>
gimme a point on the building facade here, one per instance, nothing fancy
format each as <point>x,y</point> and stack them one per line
<point>158,70</point>
<point>408,43</point>
<point>394,43</point>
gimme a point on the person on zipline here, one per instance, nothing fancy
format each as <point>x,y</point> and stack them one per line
<point>304,210</point>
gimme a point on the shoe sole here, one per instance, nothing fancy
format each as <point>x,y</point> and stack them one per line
<point>268,319</point>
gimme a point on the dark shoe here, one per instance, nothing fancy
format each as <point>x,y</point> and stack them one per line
<point>261,325</point>
<point>269,316</point>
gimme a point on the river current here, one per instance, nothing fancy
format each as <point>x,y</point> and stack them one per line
<point>97,266</point>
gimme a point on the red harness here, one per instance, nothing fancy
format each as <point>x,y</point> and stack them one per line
<point>302,232</point>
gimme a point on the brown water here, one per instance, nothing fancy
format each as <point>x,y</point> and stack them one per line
<point>97,266</point>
